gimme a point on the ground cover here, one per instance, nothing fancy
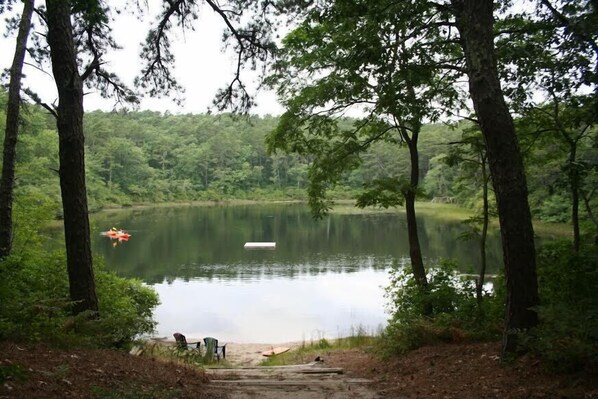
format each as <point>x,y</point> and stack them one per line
<point>461,370</point>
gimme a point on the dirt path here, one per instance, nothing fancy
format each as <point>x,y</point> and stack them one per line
<point>246,379</point>
<point>307,381</point>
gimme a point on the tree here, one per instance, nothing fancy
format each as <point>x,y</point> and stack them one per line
<point>554,55</point>
<point>69,115</point>
<point>71,45</point>
<point>570,125</point>
<point>471,152</point>
<point>11,131</point>
<point>475,22</point>
<point>577,20</point>
<point>392,76</point>
<point>249,25</point>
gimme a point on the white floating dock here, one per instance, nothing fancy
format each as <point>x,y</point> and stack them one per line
<point>260,245</point>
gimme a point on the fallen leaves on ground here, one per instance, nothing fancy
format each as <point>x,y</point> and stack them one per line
<point>463,370</point>
<point>39,371</point>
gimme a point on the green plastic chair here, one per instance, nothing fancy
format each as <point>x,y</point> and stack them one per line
<point>213,348</point>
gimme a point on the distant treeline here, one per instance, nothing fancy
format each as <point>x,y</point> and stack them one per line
<point>140,157</point>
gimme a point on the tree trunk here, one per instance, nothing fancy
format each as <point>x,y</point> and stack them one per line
<point>484,235</point>
<point>11,132</point>
<point>574,187</point>
<point>415,253</point>
<point>586,200</point>
<point>71,149</point>
<point>475,24</point>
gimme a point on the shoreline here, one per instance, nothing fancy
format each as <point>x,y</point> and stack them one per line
<point>239,354</point>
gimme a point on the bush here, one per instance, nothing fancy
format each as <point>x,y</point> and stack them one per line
<point>34,293</point>
<point>554,209</point>
<point>125,307</point>
<point>446,312</point>
<point>567,335</point>
<point>35,304</point>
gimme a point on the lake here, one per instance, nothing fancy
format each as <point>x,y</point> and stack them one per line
<point>325,278</point>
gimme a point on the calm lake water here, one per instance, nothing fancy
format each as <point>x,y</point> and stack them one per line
<point>324,279</point>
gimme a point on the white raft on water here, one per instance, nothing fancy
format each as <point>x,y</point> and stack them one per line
<point>260,245</point>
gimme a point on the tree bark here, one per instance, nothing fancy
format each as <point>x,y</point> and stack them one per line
<point>415,253</point>
<point>574,182</point>
<point>71,149</point>
<point>11,132</point>
<point>475,24</point>
<point>484,234</point>
<point>586,200</point>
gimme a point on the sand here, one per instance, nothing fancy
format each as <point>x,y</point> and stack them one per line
<point>242,354</point>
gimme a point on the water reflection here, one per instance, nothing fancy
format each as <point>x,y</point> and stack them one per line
<point>272,309</point>
<point>323,279</point>
<point>207,242</point>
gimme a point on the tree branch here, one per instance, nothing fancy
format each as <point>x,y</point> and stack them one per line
<point>566,23</point>
<point>36,99</point>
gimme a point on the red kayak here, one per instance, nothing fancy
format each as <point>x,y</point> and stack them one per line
<point>117,234</point>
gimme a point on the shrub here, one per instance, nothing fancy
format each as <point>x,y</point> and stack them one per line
<point>34,296</point>
<point>447,311</point>
<point>555,209</point>
<point>34,293</point>
<point>567,335</point>
<point>125,307</point>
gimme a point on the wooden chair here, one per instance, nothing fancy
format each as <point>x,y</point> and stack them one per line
<point>212,348</point>
<point>181,342</point>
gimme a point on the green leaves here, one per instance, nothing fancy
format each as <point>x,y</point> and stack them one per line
<point>92,11</point>
<point>384,193</point>
<point>378,58</point>
<point>549,52</point>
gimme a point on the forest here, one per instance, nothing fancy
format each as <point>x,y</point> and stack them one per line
<point>490,105</point>
<point>147,157</point>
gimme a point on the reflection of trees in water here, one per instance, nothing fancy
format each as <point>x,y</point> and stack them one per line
<point>441,239</point>
<point>257,271</point>
<point>207,242</point>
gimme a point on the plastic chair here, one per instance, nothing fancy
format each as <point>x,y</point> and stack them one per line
<point>213,348</point>
<point>181,342</point>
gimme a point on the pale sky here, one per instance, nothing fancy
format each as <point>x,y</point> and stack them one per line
<point>201,66</point>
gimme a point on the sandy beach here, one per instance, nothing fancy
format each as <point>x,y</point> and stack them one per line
<point>242,354</point>
<point>251,354</point>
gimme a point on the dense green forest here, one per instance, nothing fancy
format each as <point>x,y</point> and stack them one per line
<point>149,157</point>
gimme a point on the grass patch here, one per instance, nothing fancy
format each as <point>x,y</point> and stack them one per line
<point>348,208</point>
<point>308,351</point>
<point>552,230</point>
<point>12,372</point>
<point>172,353</point>
<point>449,212</point>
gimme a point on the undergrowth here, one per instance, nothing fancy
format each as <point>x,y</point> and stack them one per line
<point>190,356</point>
<point>566,338</point>
<point>34,292</point>
<point>446,311</point>
<point>307,352</point>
